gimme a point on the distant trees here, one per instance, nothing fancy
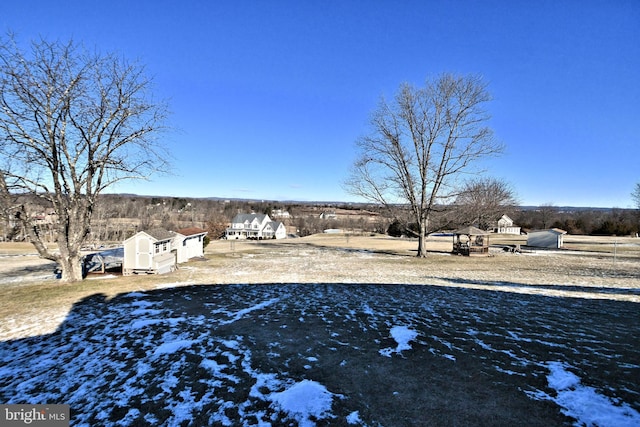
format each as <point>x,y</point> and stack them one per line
<point>72,123</point>
<point>419,145</point>
<point>547,215</point>
<point>620,222</point>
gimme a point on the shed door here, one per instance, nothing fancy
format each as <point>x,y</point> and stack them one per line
<point>144,254</point>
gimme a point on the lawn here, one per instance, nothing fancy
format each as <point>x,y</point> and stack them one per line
<point>311,332</point>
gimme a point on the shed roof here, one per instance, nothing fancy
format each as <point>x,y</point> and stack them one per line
<point>191,231</point>
<point>551,230</point>
<point>160,234</point>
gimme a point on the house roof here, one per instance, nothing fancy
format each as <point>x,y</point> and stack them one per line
<point>274,225</point>
<point>240,218</point>
<point>470,231</point>
<point>191,231</point>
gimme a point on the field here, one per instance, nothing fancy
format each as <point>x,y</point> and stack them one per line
<point>333,330</point>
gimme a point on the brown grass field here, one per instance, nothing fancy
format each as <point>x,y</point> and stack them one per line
<point>587,267</point>
<point>320,308</point>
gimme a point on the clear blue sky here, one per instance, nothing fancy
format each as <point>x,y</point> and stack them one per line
<point>269,96</point>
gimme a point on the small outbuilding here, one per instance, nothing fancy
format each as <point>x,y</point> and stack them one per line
<point>189,243</point>
<point>149,252</point>
<point>471,241</point>
<point>552,239</point>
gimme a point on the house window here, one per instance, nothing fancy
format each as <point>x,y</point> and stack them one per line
<point>164,247</point>
<point>157,248</point>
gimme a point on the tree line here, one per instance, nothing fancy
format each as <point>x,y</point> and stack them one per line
<point>609,222</point>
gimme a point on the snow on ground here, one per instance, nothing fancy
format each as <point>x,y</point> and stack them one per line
<point>304,400</point>
<point>298,354</point>
<point>403,336</point>
<point>584,403</point>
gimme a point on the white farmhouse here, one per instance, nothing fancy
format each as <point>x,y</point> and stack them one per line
<point>188,243</point>
<point>255,226</point>
<point>505,226</point>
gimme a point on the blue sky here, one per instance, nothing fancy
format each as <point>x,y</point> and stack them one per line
<point>270,96</point>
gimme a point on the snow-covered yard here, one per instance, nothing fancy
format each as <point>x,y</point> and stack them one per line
<point>333,354</point>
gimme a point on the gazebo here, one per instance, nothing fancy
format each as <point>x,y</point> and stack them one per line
<point>471,241</point>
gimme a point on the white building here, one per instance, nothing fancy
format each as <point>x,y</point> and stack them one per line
<point>149,252</point>
<point>188,243</point>
<point>159,251</point>
<point>328,215</point>
<point>255,226</point>
<point>552,238</point>
<point>280,213</point>
<point>505,226</point>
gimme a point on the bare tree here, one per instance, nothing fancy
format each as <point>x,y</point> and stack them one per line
<point>483,200</point>
<point>635,195</point>
<point>72,123</point>
<point>421,143</point>
<point>547,213</point>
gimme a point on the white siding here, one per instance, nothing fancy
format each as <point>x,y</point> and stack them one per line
<point>145,254</point>
<point>545,239</point>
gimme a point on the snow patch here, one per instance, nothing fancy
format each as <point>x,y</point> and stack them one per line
<point>304,400</point>
<point>240,314</point>
<point>354,418</point>
<point>584,403</point>
<point>172,347</point>
<point>403,336</point>
<point>212,365</point>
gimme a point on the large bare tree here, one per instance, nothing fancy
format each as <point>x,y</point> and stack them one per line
<point>72,123</point>
<point>421,143</point>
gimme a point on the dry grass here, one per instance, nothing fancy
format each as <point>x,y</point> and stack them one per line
<point>38,306</point>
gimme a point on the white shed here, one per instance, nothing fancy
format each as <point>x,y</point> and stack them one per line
<point>546,238</point>
<point>188,243</point>
<point>149,252</point>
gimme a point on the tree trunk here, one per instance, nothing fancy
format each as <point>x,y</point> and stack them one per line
<point>422,240</point>
<point>71,269</point>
